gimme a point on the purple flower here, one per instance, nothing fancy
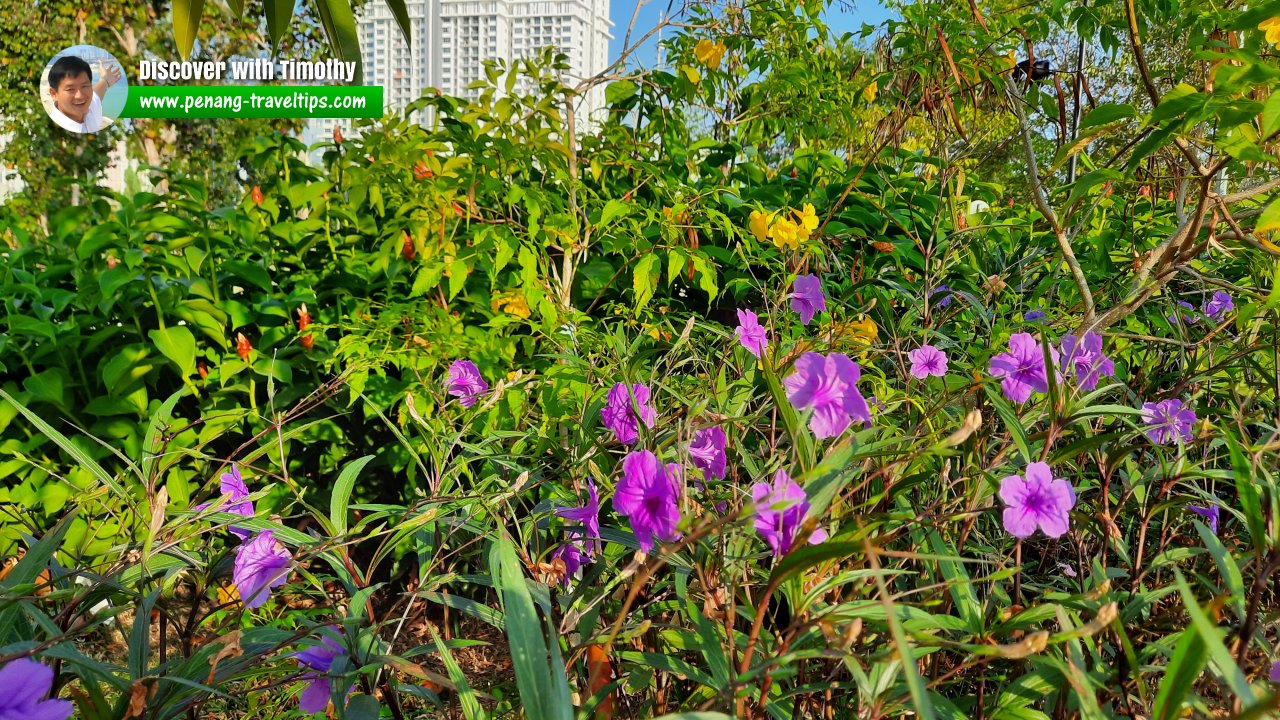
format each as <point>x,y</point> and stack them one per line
<point>944,301</point>
<point>648,496</point>
<point>780,511</point>
<point>1033,315</point>
<point>707,451</point>
<point>571,554</point>
<point>1084,359</point>
<point>233,501</point>
<point>927,360</point>
<point>1185,318</point>
<point>807,298</point>
<point>466,383</point>
<point>826,384</point>
<point>751,334</point>
<point>1022,368</point>
<point>1208,513</point>
<point>588,516</point>
<point>619,416</point>
<point>1169,421</point>
<point>261,564</point>
<point>1218,306</point>
<point>318,659</point>
<point>1275,672</point>
<point>1039,500</point>
<point>24,683</point>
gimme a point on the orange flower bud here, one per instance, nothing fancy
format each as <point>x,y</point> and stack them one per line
<point>202,369</point>
<point>337,135</point>
<point>304,320</point>
<point>243,347</point>
<point>256,195</point>
<point>421,171</point>
<point>112,261</point>
<point>408,251</point>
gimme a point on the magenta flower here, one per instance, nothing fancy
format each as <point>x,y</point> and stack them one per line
<point>1275,672</point>
<point>261,564</point>
<point>1218,306</point>
<point>1039,500</point>
<point>707,451</point>
<point>826,384</point>
<point>751,334</point>
<point>1208,513</point>
<point>619,416</point>
<point>24,683</point>
<point>234,494</point>
<point>927,360</point>
<point>780,510</point>
<point>1084,360</point>
<point>466,383</point>
<point>571,554</point>
<point>1022,368</point>
<point>648,496</point>
<point>588,517</point>
<point>1169,421</point>
<point>807,298</point>
<point>318,659</point>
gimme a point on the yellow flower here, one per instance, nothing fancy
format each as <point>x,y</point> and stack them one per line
<point>806,221</point>
<point>1271,26</point>
<point>709,53</point>
<point>786,233</point>
<point>513,303</point>
<point>869,92</point>
<point>760,224</point>
<point>864,330</point>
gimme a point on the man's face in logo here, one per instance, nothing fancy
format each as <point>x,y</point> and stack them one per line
<point>73,95</point>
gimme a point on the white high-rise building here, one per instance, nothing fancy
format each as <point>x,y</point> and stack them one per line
<point>453,38</point>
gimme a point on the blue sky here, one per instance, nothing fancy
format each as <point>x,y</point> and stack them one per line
<point>842,16</point>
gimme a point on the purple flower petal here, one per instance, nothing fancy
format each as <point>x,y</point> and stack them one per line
<point>927,360</point>
<point>648,495</point>
<point>466,383</point>
<point>261,564</point>
<point>1036,500</point>
<point>807,298</point>
<point>751,335</point>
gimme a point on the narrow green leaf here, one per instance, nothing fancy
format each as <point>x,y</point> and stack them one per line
<point>1212,637</point>
<point>342,493</point>
<point>1011,421</point>
<point>1188,662</point>
<point>1247,490</point>
<point>471,709</point>
<point>340,27</point>
<point>186,22</point>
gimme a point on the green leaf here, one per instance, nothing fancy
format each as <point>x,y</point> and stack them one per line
<point>401,13</point>
<point>1247,491</point>
<point>1270,219</point>
<point>179,345</point>
<point>1011,421</point>
<point>1212,637</point>
<point>341,496</point>
<point>618,91</point>
<point>644,280</point>
<point>1107,113</point>
<point>186,22</point>
<point>1188,662</point>
<point>279,19</point>
<point>471,709</point>
<point>1271,115</point>
<point>363,707</point>
<point>340,27</point>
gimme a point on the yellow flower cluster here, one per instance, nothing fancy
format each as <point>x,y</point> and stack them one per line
<point>709,53</point>
<point>1271,26</point>
<point>785,229</point>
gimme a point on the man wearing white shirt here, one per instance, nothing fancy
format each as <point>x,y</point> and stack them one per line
<point>77,100</point>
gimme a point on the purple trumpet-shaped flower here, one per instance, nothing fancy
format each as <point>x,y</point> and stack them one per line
<point>318,659</point>
<point>24,685</point>
<point>780,511</point>
<point>587,519</point>
<point>1022,369</point>
<point>1275,672</point>
<point>707,451</point>
<point>649,496</point>
<point>927,360</point>
<point>466,383</point>
<point>1033,315</point>
<point>1038,500</point>
<point>807,298</point>
<point>1210,514</point>
<point>751,334</point>
<point>261,564</point>
<point>1084,361</point>
<point>1218,306</point>
<point>827,384</point>
<point>618,415</point>
<point>572,555</point>
<point>234,494</point>
<point>1185,318</point>
<point>946,300</point>
<point>1169,421</point>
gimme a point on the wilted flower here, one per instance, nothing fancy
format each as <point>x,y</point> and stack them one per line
<point>648,496</point>
<point>571,555</point>
<point>1209,513</point>
<point>1218,306</point>
<point>234,500</point>
<point>946,300</point>
<point>807,297</point>
<point>318,659</point>
<point>1169,421</point>
<point>465,382</point>
<point>827,384</point>
<point>927,360</point>
<point>1084,360</point>
<point>1039,500</point>
<point>780,511</point>
<point>24,683</point>
<point>588,517</point>
<point>751,334</point>
<point>1022,368</point>
<point>261,564</point>
<point>619,416</point>
<point>707,451</point>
